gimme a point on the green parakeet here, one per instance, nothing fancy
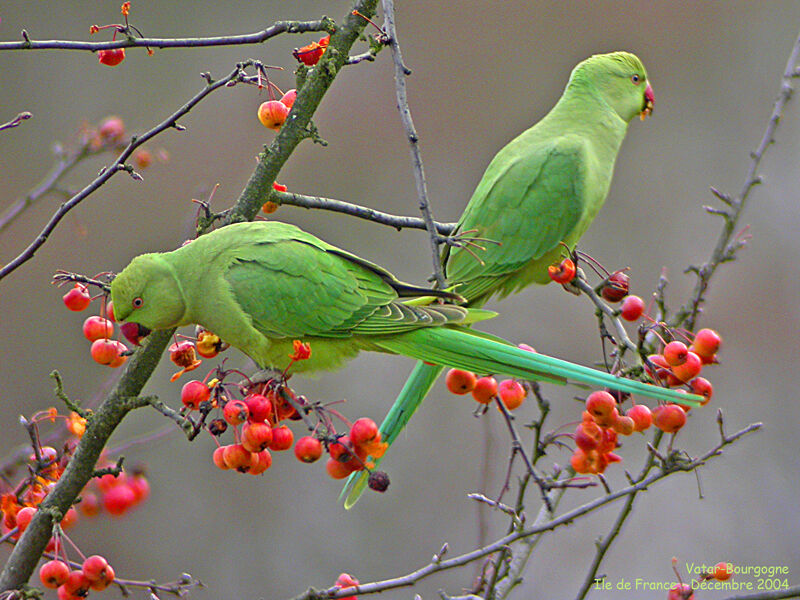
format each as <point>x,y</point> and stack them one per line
<point>261,285</point>
<point>543,188</point>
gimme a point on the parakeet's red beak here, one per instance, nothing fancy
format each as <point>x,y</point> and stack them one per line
<point>134,332</point>
<point>649,102</point>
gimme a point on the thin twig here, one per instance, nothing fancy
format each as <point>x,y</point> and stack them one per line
<point>356,210</point>
<point>400,73</point>
<point>790,592</point>
<point>724,250</point>
<point>16,121</point>
<point>130,40</point>
<point>117,166</point>
<point>566,518</point>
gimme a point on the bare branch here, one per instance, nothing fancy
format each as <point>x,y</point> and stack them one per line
<point>131,40</point>
<point>400,73</point>
<point>356,210</point>
<point>16,121</point>
<point>687,315</point>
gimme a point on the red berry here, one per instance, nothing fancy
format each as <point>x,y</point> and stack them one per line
<point>260,408</point>
<point>102,584</point>
<point>341,450</point>
<point>53,573</point>
<point>77,298</point>
<point>77,583</point>
<point>256,436</point>
<point>288,99</point>
<point>143,158</point>
<point>460,382</point>
<point>512,393</point>
<point>183,355</point>
<point>95,328</point>
<point>89,504</point>
<point>680,591</point>
<point>702,387</point>
<point>94,567</point>
<point>105,352</point>
<point>219,458</point>
<point>562,272</point>
<point>140,487</point>
<point>609,441</point>
<point>675,353</point>
<point>308,449</point>
<point>600,404</point>
<point>70,518</point>
<point>111,129</point>
<point>624,425</point>
<point>272,114</point>
<point>485,390</point>
<point>338,470</point>
<point>669,418</point>
<point>24,517</point>
<point>722,571</point>
<point>641,415</point>
<point>260,462</point>
<point>64,594</point>
<point>707,342</point>
<point>235,412</point>
<point>632,308</point>
<point>616,288</point>
<point>690,369</point>
<point>363,431</point>
<point>282,439</point>
<point>111,57</point>
<point>120,359</point>
<point>119,499</point>
<point>237,457</point>
<point>194,393</point>
<point>110,311</point>
<point>588,435</point>
<point>345,581</point>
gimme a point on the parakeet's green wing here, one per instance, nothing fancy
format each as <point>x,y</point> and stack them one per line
<point>292,288</point>
<point>542,187</point>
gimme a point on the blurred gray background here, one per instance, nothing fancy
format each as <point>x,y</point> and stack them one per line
<point>482,72</point>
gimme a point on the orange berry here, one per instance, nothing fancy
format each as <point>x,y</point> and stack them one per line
<point>624,425</point>
<point>460,382</point>
<point>338,470</point>
<point>512,393</point>
<point>669,418</point>
<point>260,462</point>
<point>256,436</point>
<point>237,457</point>
<point>77,298</point>
<point>94,567</point>
<point>53,573</point>
<point>282,439</point>
<point>308,449</point>
<point>95,328</point>
<point>288,99</point>
<point>24,517</point>
<point>722,571</point>
<point>562,272</point>
<point>702,387</point>
<point>194,393</point>
<point>675,353</point>
<point>235,412</point>
<point>219,458</point>
<point>112,57</point>
<point>689,369</point>
<point>485,389</point>
<point>363,431</point>
<point>707,342</point>
<point>642,417</point>
<point>632,308</point>
<point>272,114</point>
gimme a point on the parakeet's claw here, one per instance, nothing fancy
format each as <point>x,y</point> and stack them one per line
<point>466,240</point>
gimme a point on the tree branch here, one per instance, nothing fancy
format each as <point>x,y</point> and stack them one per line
<point>356,210</point>
<point>724,250</point>
<point>130,41</point>
<point>400,73</point>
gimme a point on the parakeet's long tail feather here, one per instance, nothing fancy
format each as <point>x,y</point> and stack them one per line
<point>478,352</point>
<point>411,396</point>
<point>483,353</point>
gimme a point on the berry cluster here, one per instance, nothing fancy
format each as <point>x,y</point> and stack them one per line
<point>485,389</point>
<point>98,329</point>
<point>273,113</point>
<point>95,574</point>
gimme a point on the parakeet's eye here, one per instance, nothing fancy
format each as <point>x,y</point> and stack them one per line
<point>137,302</point>
<point>635,79</point>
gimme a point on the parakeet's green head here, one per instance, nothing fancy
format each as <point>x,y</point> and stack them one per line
<point>621,80</point>
<point>147,295</point>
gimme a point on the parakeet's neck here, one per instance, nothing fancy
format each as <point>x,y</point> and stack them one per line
<point>583,110</point>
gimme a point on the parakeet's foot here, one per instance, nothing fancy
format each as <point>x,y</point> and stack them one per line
<point>468,241</point>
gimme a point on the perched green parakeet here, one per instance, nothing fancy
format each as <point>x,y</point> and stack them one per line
<point>543,188</point>
<point>260,286</point>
